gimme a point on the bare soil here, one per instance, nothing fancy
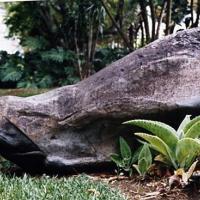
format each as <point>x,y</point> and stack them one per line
<point>151,188</point>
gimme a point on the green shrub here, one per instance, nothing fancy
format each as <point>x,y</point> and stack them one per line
<point>39,68</point>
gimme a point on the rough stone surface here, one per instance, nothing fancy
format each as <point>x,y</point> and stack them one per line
<point>78,125</point>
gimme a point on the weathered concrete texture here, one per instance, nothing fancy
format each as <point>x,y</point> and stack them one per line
<point>77,125</point>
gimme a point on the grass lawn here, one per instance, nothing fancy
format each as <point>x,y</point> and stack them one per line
<point>45,188</point>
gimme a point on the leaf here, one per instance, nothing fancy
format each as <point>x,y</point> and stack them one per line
<point>189,159</point>
<point>35,43</point>
<point>137,168</point>
<point>193,131</point>
<point>143,166</point>
<point>146,153</point>
<point>162,130</point>
<point>116,159</point>
<point>58,55</point>
<point>192,168</point>
<point>189,173</point>
<point>185,121</point>
<point>12,76</point>
<point>46,81</point>
<point>163,159</point>
<point>136,155</point>
<point>160,146</point>
<point>191,123</point>
<point>125,150</point>
<point>187,148</point>
<point>185,178</point>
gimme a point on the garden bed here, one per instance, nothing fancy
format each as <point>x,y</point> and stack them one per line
<point>151,188</point>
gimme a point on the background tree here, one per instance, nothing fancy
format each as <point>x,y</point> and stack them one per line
<point>67,41</point>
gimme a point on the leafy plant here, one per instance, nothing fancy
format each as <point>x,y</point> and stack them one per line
<point>38,68</point>
<point>5,165</point>
<point>144,160</point>
<point>125,159</point>
<point>177,148</point>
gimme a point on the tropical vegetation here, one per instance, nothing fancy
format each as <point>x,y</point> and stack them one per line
<point>64,42</point>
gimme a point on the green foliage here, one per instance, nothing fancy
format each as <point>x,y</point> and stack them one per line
<point>186,151</point>
<point>144,160</point>
<point>178,148</point>
<point>106,55</point>
<point>58,55</point>
<point>5,165</point>
<point>39,68</point>
<point>75,188</point>
<point>190,124</point>
<point>124,160</point>
<point>35,43</point>
<point>160,146</point>
<point>159,129</point>
<point>11,67</point>
<point>58,34</point>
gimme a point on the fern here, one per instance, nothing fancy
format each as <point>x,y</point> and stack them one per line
<point>45,82</point>
<point>35,43</point>
<point>11,73</point>
<point>57,55</point>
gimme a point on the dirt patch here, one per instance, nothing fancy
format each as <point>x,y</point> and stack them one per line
<point>151,188</point>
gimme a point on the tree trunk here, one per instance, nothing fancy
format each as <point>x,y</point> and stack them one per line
<point>196,24</point>
<point>160,19</point>
<point>131,35</point>
<point>153,18</point>
<point>120,14</point>
<point>142,33</point>
<point>168,17</point>
<point>145,19</point>
<point>80,69</point>
<point>121,33</point>
<point>191,11</point>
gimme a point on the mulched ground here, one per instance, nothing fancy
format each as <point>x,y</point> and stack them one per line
<point>150,188</point>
